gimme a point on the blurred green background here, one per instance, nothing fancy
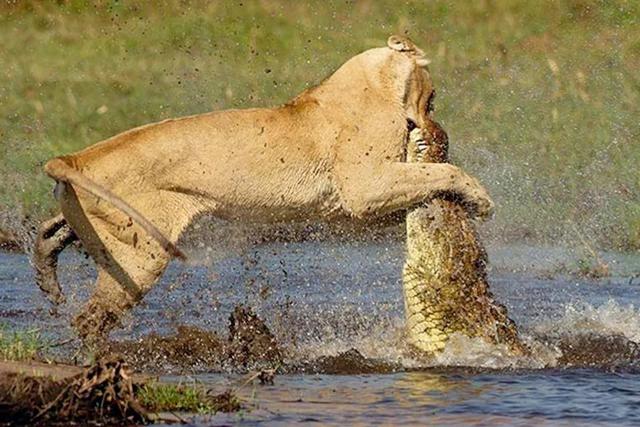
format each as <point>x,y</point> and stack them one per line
<point>540,98</point>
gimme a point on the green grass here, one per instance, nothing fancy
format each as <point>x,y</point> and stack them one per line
<point>19,345</point>
<point>541,99</point>
<point>164,397</point>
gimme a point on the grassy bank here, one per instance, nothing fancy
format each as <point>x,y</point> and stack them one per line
<point>30,389</point>
<point>20,345</point>
<point>541,99</point>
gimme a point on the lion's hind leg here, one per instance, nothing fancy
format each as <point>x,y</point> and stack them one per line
<point>129,260</point>
<point>129,264</point>
<point>105,309</point>
<point>54,235</point>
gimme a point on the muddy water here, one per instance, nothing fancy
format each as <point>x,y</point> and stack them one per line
<point>320,299</point>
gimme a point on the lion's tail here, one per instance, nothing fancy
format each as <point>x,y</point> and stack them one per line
<point>59,170</point>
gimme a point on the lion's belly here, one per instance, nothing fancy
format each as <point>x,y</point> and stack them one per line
<point>276,206</point>
<point>275,195</point>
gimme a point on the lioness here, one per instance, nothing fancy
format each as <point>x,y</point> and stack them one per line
<point>337,149</point>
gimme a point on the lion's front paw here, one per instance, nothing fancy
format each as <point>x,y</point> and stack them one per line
<point>484,208</point>
<point>478,200</point>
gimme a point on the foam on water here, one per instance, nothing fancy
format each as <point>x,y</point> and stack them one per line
<point>383,342</point>
<point>607,320</point>
<point>546,339</point>
<point>610,318</point>
<point>476,352</point>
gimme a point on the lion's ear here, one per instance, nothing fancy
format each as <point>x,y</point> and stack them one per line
<point>404,44</point>
<point>401,44</point>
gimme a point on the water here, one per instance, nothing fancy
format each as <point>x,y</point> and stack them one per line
<point>568,397</point>
<point>325,298</point>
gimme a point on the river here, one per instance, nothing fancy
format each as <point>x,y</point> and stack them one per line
<point>325,298</point>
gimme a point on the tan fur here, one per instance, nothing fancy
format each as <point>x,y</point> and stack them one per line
<point>336,150</point>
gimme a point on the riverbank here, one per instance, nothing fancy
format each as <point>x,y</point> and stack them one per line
<point>104,393</point>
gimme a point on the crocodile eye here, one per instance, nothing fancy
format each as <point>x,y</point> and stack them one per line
<point>411,125</point>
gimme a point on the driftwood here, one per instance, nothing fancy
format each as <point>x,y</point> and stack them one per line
<point>103,393</point>
<point>444,278</point>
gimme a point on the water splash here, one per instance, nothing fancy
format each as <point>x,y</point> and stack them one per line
<point>602,337</point>
<point>610,318</point>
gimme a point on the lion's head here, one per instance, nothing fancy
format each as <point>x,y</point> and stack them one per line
<point>385,93</point>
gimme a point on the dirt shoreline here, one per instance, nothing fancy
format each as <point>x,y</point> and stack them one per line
<point>29,390</point>
<point>58,393</point>
<point>109,392</point>
<point>104,393</point>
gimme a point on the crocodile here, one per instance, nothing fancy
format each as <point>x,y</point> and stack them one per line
<point>445,282</point>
